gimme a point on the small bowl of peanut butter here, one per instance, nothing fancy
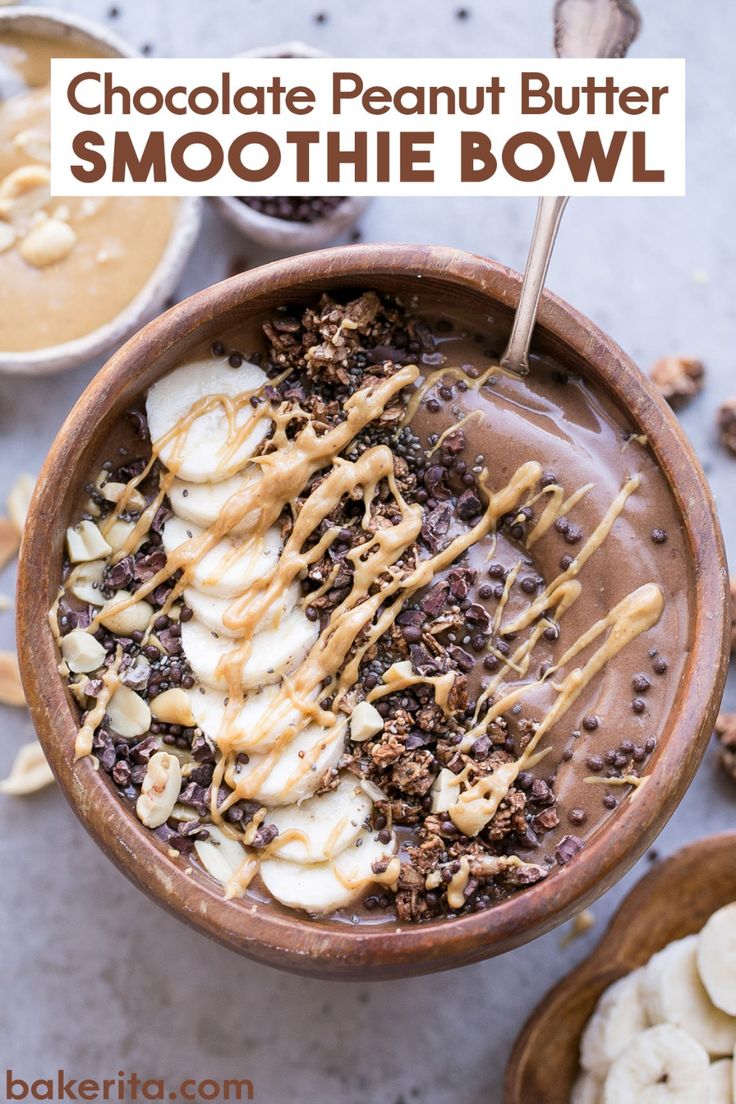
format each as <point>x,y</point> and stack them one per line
<point>80,273</point>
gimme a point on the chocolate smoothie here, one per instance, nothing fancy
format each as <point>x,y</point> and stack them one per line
<point>368,626</point>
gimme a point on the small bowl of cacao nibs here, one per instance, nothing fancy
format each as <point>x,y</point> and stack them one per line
<point>291,224</point>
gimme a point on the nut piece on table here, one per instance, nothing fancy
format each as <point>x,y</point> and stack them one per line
<point>30,772</point>
<point>727,425</point>
<point>678,379</point>
<point>9,541</point>
<point>11,688</point>
<point>726,734</point>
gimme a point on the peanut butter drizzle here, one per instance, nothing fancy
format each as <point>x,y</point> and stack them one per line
<point>394,679</point>
<point>85,735</point>
<point>474,414</point>
<point>636,613</point>
<point>474,383</point>
<point>557,507</point>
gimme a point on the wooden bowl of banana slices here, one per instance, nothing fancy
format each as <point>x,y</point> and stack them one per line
<point>651,1014</point>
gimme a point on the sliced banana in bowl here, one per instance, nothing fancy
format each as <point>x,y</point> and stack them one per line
<point>201,422</point>
<point>318,829</point>
<point>231,566</point>
<point>321,888</point>
<point>673,993</point>
<point>202,503</point>
<point>662,1065</point>
<point>272,654</point>
<point>216,614</point>
<point>291,773</point>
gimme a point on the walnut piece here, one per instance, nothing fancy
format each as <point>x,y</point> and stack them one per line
<point>727,425</point>
<point>678,379</point>
<point>726,734</point>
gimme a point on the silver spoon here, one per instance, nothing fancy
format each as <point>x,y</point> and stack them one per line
<point>583,28</point>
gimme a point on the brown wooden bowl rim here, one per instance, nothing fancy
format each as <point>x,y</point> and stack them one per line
<point>329,948</point>
<point>606,962</point>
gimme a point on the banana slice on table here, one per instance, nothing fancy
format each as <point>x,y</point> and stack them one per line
<point>202,503</point>
<point>618,1017</point>
<point>716,958</point>
<point>213,446</point>
<point>251,730</point>
<point>720,1082</point>
<point>232,566</point>
<point>587,1089</point>
<point>319,888</point>
<point>323,826</point>
<point>212,612</point>
<point>273,652</point>
<point>673,993</point>
<point>295,771</point>
<point>663,1065</point>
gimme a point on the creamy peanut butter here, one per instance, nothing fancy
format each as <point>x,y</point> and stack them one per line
<point>67,265</point>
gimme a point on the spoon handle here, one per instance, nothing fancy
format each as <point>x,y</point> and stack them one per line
<point>549,213</point>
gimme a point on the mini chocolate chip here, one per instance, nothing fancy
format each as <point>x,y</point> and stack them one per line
<point>609,801</point>
<point>577,816</point>
<point>595,763</point>
<point>590,723</point>
<point>660,666</point>
<point>640,683</point>
<point>638,705</point>
<point>659,536</point>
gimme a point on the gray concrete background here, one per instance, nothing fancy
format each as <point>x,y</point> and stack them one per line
<point>97,979</point>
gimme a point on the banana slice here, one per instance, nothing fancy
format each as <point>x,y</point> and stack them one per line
<point>720,1082</point>
<point>211,447</point>
<point>673,993</point>
<point>716,958</point>
<point>208,707</point>
<point>295,771</point>
<point>212,611</point>
<point>587,1089</point>
<point>618,1018</point>
<point>323,826</point>
<point>663,1065</point>
<point>319,888</point>
<point>232,566</point>
<point>202,503</point>
<point>273,653</point>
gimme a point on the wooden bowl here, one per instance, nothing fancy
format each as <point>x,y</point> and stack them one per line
<point>446,279</point>
<point>674,900</point>
<point>150,298</point>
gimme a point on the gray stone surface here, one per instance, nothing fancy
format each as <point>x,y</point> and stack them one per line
<point>97,979</point>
